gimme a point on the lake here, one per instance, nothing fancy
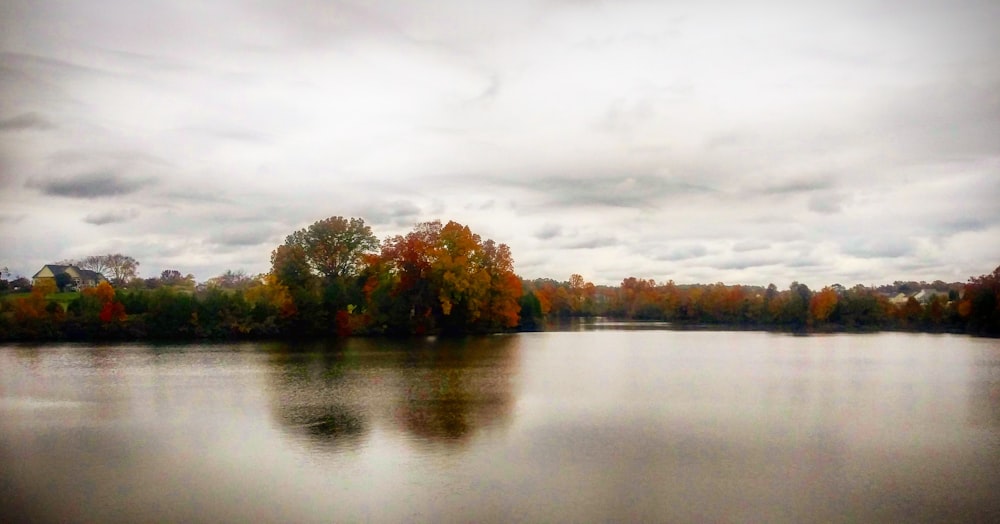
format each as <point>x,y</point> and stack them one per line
<point>604,423</point>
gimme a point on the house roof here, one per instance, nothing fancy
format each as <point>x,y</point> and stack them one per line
<point>54,268</point>
<point>90,275</point>
<point>57,269</point>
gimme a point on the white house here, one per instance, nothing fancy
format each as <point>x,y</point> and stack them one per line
<point>81,278</point>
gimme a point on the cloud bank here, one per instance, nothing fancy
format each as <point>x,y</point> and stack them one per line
<point>773,141</point>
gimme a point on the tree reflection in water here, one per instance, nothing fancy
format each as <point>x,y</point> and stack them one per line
<point>984,391</point>
<point>435,391</point>
<point>451,389</point>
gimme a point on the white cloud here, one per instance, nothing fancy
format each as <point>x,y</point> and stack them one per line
<point>771,141</point>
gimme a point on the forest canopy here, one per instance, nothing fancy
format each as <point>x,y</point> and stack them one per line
<point>335,278</point>
<point>437,278</point>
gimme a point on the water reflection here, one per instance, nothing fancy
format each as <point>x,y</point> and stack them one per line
<point>450,389</point>
<point>624,426</point>
<point>434,391</point>
<point>984,391</point>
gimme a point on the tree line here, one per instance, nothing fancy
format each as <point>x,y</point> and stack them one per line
<point>332,278</point>
<point>972,308</point>
<point>335,278</point>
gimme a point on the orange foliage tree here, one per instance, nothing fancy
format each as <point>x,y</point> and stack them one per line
<point>444,277</point>
<point>822,305</point>
<point>34,316</point>
<point>111,309</point>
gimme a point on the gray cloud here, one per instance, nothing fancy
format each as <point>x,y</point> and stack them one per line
<point>753,147</point>
<point>751,261</point>
<point>959,225</point>
<point>548,232</point>
<point>826,203</point>
<point>11,218</point>
<point>613,191</point>
<point>249,136</point>
<point>97,155</point>
<point>89,185</point>
<point>25,121</point>
<point>625,117</point>
<point>241,236</point>
<point>111,217</point>
<point>682,252</point>
<point>395,213</point>
<point>886,247</point>
<point>806,262</point>
<point>750,245</point>
<point>592,243</point>
<point>492,89</point>
<point>797,185</point>
<point>196,195</point>
<point>940,120</point>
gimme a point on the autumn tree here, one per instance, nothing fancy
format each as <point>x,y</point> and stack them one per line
<point>457,273</point>
<point>321,265</point>
<point>637,298</point>
<point>98,263</point>
<point>232,280</point>
<point>334,247</point>
<point>272,304</point>
<point>822,305</point>
<point>553,298</point>
<point>862,308</point>
<point>581,296</point>
<point>36,317</point>
<point>32,307</point>
<point>112,310</point>
<point>935,312</point>
<point>980,305</point>
<point>45,287</point>
<point>408,262</point>
<point>117,267</point>
<point>502,307</point>
<point>290,266</point>
<point>171,277</point>
<point>910,313</point>
<point>445,277</point>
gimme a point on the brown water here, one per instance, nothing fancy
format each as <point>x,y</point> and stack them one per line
<point>594,425</point>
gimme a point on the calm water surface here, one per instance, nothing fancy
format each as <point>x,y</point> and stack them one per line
<point>594,425</point>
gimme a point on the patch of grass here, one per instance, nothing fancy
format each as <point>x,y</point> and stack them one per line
<point>14,296</point>
<point>63,298</point>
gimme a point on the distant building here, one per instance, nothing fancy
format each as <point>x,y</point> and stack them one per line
<point>926,295</point>
<point>899,299</point>
<point>81,278</point>
<point>923,296</point>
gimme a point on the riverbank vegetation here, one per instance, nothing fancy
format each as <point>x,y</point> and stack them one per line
<point>334,278</point>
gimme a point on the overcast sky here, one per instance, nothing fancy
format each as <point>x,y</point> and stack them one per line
<point>743,142</point>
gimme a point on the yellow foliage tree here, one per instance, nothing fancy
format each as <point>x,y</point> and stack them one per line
<point>822,305</point>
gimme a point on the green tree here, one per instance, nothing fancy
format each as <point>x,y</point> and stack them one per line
<point>796,310</point>
<point>334,247</point>
<point>531,312</point>
<point>233,280</point>
<point>118,268</point>
<point>321,266</point>
<point>63,280</point>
